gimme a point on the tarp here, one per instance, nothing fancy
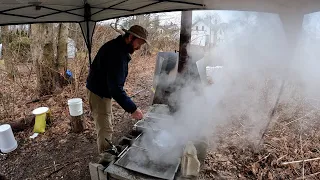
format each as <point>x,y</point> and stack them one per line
<point>88,12</point>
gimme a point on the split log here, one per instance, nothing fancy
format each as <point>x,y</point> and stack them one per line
<point>22,124</point>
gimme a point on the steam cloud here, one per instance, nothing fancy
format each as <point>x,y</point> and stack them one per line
<point>256,60</point>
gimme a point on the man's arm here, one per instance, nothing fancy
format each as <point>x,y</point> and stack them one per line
<point>116,80</point>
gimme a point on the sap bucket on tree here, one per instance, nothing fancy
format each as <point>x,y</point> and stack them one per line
<point>76,111</point>
<point>7,141</point>
<point>75,107</point>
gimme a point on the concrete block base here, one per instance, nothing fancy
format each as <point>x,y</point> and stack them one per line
<point>97,172</point>
<point>119,173</point>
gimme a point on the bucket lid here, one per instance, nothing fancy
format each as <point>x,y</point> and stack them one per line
<point>40,110</point>
<point>74,100</point>
<point>4,127</point>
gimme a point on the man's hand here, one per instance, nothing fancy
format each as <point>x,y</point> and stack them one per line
<point>137,115</point>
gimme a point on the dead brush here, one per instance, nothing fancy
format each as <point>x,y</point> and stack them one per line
<point>14,91</point>
<point>291,145</point>
<point>6,106</point>
<point>79,68</point>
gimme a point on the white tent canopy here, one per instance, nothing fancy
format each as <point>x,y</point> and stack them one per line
<point>88,12</point>
<point>33,11</point>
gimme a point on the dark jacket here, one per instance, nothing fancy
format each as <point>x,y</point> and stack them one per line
<point>109,71</point>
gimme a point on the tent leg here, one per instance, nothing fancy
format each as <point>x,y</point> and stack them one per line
<point>89,43</point>
<point>87,28</point>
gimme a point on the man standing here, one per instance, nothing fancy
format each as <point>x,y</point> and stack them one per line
<point>106,79</point>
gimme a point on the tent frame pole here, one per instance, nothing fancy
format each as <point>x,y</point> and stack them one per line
<point>87,18</point>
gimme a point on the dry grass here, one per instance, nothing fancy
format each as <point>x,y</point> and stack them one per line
<point>290,150</point>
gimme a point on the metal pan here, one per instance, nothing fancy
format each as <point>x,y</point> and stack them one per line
<point>150,122</point>
<point>136,159</point>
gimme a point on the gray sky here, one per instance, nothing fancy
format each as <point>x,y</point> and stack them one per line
<point>226,16</point>
<point>174,17</point>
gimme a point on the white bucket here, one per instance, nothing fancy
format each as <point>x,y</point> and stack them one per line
<point>75,106</point>
<point>7,141</point>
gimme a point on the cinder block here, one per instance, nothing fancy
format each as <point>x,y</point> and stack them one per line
<point>102,175</point>
<point>93,168</point>
<point>97,171</point>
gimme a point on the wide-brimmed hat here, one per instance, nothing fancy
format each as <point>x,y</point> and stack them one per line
<point>138,32</point>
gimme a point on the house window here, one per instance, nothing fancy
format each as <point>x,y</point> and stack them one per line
<point>197,28</point>
<point>202,28</point>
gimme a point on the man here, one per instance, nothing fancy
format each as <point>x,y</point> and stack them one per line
<point>106,79</point>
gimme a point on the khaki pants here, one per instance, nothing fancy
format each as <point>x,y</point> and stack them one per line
<point>101,112</point>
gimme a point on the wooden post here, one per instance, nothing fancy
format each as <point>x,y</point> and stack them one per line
<point>76,124</point>
<point>76,113</point>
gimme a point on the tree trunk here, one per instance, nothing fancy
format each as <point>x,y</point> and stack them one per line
<point>47,78</point>
<point>62,54</point>
<point>36,47</point>
<point>43,57</point>
<point>6,53</point>
<point>76,124</point>
<point>76,36</point>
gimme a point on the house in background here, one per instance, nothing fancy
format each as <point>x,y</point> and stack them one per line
<point>200,33</point>
<point>171,31</point>
<point>207,33</point>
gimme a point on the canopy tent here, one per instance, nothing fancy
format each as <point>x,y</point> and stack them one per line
<point>88,12</point>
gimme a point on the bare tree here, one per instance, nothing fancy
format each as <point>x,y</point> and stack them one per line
<point>62,55</point>
<point>43,57</point>
<point>162,37</point>
<point>50,68</point>
<point>8,60</point>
